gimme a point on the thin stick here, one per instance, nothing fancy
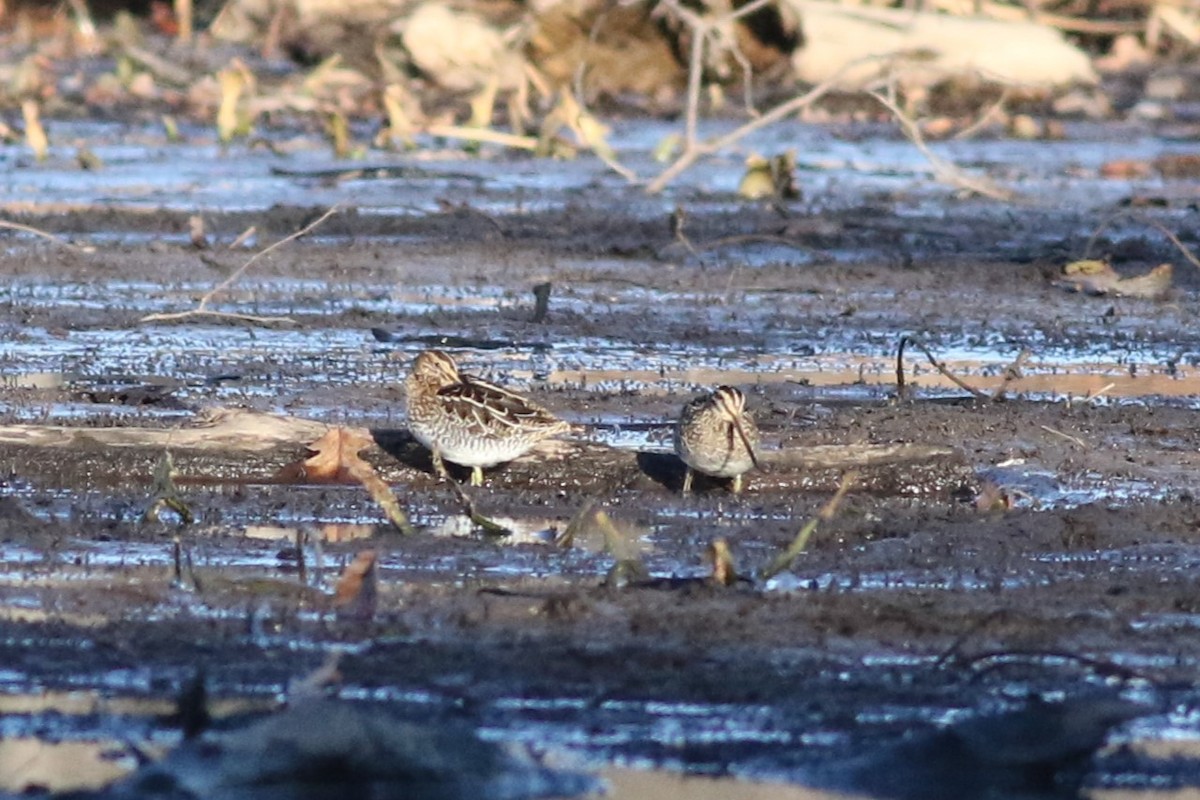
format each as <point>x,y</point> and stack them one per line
<point>1011,373</point>
<point>785,559</point>
<point>483,135</point>
<point>977,125</point>
<point>201,308</point>
<point>237,273</point>
<point>701,29</point>
<point>691,155</point>
<point>1067,436</point>
<point>940,367</point>
<point>944,170</point>
<point>1125,212</point>
<point>16,226</point>
<point>901,387</point>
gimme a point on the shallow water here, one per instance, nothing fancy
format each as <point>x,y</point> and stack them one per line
<point>634,330</point>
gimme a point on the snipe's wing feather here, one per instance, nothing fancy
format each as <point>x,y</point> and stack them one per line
<point>493,410</point>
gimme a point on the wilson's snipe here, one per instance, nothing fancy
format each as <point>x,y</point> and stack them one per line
<point>469,421</point>
<point>716,436</point>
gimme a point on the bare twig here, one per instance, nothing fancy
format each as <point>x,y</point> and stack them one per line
<point>939,366</point>
<point>483,135</point>
<point>185,14</point>
<point>16,226</point>
<point>1011,373</point>
<point>693,152</point>
<point>901,386</point>
<point>1067,436</point>
<point>701,29</point>
<point>985,117</point>
<point>943,170</point>
<point>1103,390</point>
<point>243,237</point>
<point>202,309</point>
<point>1125,212</point>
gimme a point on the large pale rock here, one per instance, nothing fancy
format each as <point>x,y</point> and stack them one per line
<point>942,47</point>
<point>457,49</point>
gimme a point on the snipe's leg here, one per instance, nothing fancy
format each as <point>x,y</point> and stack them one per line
<point>737,484</point>
<point>439,467</point>
<point>687,481</point>
<point>477,476</point>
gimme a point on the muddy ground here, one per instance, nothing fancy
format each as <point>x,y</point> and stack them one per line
<point>912,607</point>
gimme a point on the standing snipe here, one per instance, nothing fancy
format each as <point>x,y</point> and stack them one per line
<point>468,421</point>
<point>716,436</point>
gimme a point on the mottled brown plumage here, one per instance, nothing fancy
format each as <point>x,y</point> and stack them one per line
<point>716,436</point>
<point>469,421</point>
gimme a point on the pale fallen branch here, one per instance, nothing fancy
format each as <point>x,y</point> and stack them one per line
<point>225,437</point>
<point>202,310</point>
<point>219,429</point>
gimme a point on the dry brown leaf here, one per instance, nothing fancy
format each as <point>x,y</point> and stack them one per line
<point>1098,277</point>
<point>336,460</point>
<point>333,459</point>
<point>993,497</point>
<point>357,594</point>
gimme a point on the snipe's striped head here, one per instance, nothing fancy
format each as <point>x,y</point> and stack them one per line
<point>436,369</point>
<point>730,402</point>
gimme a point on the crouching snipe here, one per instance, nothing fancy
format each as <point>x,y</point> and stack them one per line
<point>469,421</point>
<point>716,436</point>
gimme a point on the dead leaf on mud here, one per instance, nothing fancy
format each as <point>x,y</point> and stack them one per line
<point>620,544</point>
<point>333,459</point>
<point>336,460</point>
<point>357,594</point>
<point>770,177</point>
<point>1099,278</point>
<point>993,497</point>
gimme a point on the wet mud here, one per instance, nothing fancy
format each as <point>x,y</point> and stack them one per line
<point>1043,547</point>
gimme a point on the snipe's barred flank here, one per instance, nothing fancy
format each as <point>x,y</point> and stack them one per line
<point>716,436</point>
<point>468,421</point>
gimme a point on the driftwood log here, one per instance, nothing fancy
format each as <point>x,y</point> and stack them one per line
<point>239,446</point>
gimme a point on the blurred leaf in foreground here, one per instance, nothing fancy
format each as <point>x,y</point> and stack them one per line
<point>35,134</point>
<point>1091,276</point>
<point>335,459</point>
